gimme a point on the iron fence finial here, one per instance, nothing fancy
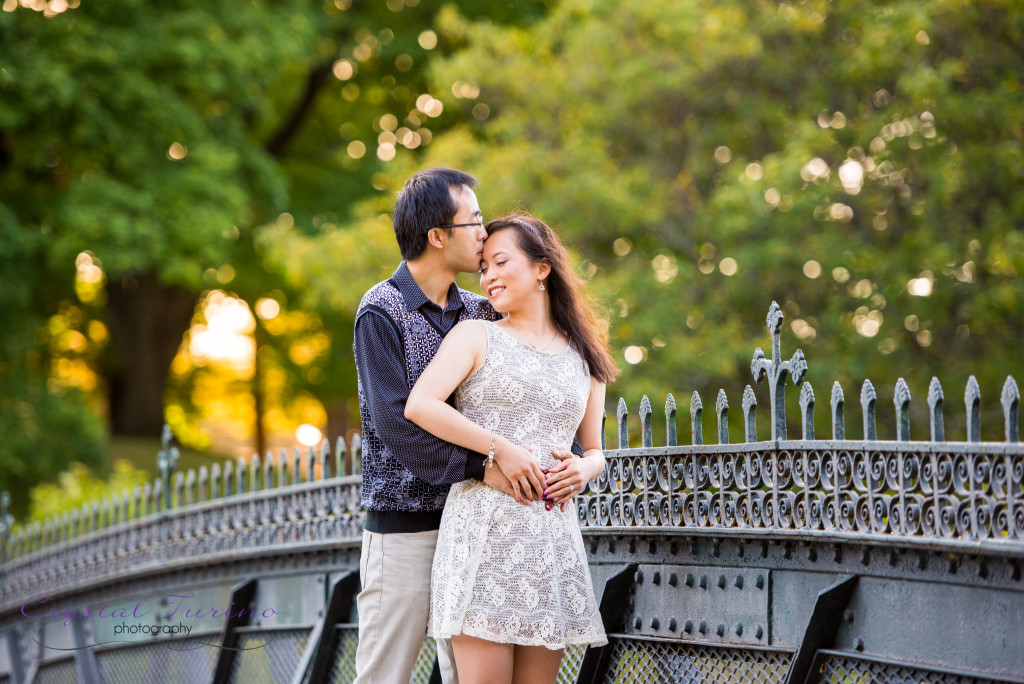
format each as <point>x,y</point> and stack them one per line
<point>749,417</point>
<point>867,406</point>
<point>807,410</point>
<point>838,402</point>
<point>671,437</point>
<point>1010,399</point>
<point>901,400</point>
<point>972,401</point>
<point>646,436</point>
<point>620,419</point>
<point>777,370</point>
<point>722,416</point>
<point>696,409</point>
<point>935,399</point>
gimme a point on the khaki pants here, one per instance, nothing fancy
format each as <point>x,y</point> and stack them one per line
<point>394,605</point>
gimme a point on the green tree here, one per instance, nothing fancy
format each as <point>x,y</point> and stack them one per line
<point>158,141</point>
<point>858,162</point>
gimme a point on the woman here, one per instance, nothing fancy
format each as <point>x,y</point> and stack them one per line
<point>510,583</point>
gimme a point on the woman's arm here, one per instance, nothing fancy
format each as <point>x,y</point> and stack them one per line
<point>461,353</point>
<point>577,472</point>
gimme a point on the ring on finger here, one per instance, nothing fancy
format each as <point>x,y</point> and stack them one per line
<point>572,488</point>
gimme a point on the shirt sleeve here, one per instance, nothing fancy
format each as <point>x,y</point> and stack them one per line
<point>380,362</point>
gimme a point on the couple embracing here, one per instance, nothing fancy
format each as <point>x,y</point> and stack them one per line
<point>471,533</point>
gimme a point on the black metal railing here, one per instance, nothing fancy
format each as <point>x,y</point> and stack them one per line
<point>810,559</point>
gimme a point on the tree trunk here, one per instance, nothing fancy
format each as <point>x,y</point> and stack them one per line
<point>259,429</point>
<point>147,321</point>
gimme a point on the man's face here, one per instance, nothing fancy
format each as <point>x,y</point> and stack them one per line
<point>466,245</point>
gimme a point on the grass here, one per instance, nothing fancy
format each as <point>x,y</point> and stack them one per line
<point>142,453</point>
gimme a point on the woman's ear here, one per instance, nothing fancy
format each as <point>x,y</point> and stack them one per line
<point>543,270</point>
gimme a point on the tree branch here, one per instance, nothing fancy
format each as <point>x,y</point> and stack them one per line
<point>316,80</point>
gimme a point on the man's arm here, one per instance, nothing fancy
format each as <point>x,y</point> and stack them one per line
<point>380,362</point>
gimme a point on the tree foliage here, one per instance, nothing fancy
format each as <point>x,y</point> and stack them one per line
<point>858,162</point>
<point>143,149</point>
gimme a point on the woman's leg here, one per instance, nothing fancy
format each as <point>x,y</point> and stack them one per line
<point>482,662</point>
<point>535,664</point>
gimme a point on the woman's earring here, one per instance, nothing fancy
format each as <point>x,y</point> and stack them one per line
<point>542,285</point>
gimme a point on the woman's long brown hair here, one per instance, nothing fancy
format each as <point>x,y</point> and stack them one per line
<point>572,308</point>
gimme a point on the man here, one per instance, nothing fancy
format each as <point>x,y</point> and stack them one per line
<point>406,471</point>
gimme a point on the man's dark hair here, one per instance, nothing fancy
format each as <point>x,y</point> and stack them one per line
<point>424,203</point>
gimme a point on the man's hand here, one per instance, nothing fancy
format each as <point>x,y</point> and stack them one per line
<point>494,478</point>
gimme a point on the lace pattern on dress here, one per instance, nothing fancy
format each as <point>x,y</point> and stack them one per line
<point>503,571</point>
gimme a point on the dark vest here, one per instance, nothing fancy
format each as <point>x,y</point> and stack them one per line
<point>387,484</point>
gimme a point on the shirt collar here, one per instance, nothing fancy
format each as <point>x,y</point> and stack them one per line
<point>414,297</point>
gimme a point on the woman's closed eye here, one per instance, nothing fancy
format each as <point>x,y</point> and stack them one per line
<point>500,263</point>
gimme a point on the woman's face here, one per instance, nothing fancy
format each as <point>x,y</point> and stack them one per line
<point>507,276</point>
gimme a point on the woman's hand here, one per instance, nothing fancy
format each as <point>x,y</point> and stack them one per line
<point>521,468</point>
<point>568,478</point>
<point>495,479</point>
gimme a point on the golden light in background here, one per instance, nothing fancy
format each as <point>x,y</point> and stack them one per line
<point>728,266</point>
<point>803,329</point>
<point>428,40</point>
<point>362,52</point>
<point>226,335</point>
<point>723,154</point>
<point>754,171</point>
<point>225,274</point>
<point>867,322</point>
<point>622,246</point>
<point>665,268</point>
<point>356,149</point>
<point>430,106</point>
<point>816,168</point>
<point>89,278</point>
<point>386,151</point>
<point>411,139</point>
<point>464,90</point>
<point>403,62</point>
<point>267,308</point>
<point>344,69</point>
<point>840,212</point>
<point>812,269</point>
<point>481,111</point>
<point>851,175</point>
<point>921,286</point>
<point>88,271</point>
<point>308,435</point>
<point>177,152</point>
<point>634,354</point>
<point>389,122</point>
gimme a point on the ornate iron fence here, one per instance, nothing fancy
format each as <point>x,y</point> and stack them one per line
<point>812,560</point>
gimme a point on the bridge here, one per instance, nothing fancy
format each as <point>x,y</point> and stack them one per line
<point>767,560</point>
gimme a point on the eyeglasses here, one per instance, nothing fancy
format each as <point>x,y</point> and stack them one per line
<point>478,224</point>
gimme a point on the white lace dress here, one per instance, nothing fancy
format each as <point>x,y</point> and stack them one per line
<point>503,571</point>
